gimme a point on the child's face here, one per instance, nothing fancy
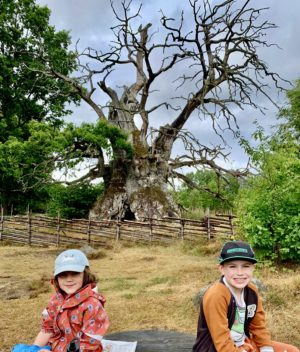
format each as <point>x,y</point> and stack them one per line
<point>70,281</point>
<point>238,273</point>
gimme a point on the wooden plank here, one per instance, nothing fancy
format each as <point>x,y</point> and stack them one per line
<point>156,340</point>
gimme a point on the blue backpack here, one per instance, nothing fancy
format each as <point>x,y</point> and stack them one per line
<point>20,347</point>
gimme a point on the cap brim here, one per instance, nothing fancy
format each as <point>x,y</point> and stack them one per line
<point>75,268</point>
<point>252,260</point>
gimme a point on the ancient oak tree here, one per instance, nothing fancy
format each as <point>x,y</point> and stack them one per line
<point>207,58</point>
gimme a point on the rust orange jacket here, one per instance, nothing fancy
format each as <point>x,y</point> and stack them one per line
<point>81,315</point>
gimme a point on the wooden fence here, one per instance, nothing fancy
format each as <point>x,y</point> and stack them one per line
<point>43,230</point>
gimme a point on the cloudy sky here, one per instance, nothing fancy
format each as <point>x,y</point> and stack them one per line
<point>89,21</point>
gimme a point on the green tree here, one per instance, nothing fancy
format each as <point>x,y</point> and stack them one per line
<point>268,206</point>
<point>27,95</point>
<point>28,164</point>
<point>25,167</point>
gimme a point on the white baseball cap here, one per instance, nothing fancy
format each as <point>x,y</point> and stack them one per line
<point>70,260</point>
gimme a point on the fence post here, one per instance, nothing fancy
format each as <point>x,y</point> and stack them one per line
<point>89,230</point>
<point>182,228</point>
<point>231,225</point>
<point>208,224</point>
<point>1,223</point>
<point>118,230</point>
<point>29,226</point>
<point>58,230</point>
<point>151,229</point>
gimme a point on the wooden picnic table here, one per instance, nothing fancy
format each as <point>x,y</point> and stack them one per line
<point>156,340</point>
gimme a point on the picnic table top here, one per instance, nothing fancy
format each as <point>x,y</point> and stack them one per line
<point>156,340</point>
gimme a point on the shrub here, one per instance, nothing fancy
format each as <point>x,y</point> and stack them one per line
<point>72,201</point>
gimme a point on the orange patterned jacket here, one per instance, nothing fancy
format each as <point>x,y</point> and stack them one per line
<point>81,315</point>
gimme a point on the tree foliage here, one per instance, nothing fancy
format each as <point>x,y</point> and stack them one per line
<point>25,167</point>
<point>31,103</point>
<point>26,93</point>
<point>269,207</point>
<point>291,113</point>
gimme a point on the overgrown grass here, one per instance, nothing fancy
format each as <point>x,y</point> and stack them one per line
<point>146,287</point>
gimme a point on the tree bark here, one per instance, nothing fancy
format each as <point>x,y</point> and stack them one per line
<point>137,190</point>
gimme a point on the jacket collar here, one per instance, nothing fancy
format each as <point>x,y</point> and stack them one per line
<point>75,298</point>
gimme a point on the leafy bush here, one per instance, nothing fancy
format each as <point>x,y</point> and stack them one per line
<point>268,207</point>
<point>72,201</point>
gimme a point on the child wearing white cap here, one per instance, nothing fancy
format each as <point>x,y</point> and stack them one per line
<point>76,310</point>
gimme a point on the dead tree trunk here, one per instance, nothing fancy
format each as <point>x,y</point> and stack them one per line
<point>137,189</point>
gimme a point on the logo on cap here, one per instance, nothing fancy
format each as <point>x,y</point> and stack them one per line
<point>234,250</point>
<point>68,258</point>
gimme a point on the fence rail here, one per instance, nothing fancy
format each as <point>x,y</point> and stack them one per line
<point>43,230</point>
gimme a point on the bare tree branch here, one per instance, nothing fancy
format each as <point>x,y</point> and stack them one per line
<point>223,33</point>
<point>194,185</point>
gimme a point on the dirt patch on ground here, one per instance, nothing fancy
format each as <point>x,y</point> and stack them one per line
<point>17,287</point>
<point>10,288</point>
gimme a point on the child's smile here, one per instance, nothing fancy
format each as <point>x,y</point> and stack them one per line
<point>238,273</point>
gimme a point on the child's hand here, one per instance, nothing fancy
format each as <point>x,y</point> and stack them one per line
<point>246,347</point>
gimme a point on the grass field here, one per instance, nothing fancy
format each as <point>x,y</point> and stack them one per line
<point>145,287</point>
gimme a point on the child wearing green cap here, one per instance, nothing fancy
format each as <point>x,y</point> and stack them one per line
<point>232,318</point>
